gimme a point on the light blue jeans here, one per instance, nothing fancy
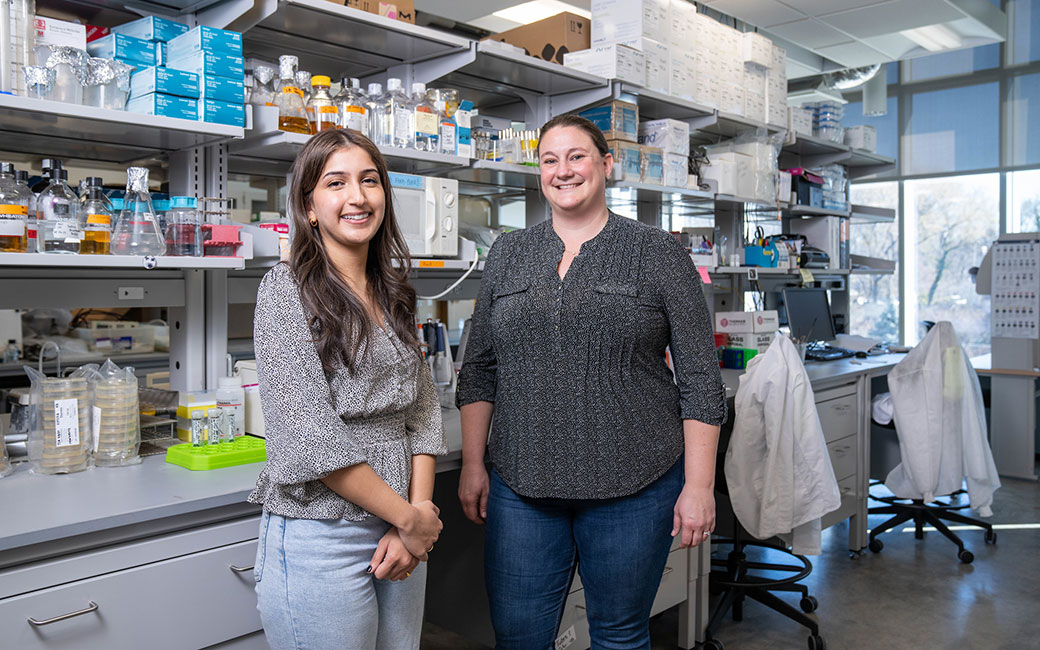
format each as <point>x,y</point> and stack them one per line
<point>314,593</point>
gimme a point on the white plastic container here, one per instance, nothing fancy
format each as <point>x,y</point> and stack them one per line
<point>231,397</point>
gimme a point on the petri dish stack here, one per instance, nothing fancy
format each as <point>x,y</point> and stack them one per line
<point>119,422</point>
<point>67,449</point>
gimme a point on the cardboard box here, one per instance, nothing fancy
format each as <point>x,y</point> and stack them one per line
<point>734,322</point>
<point>759,341</point>
<point>758,50</point>
<point>205,39</point>
<point>800,120</point>
<point>50,31</point>
<point>152,28</point>
<point>651,165</point>
<point>95,32</point>
<point>626,160</point>
<point>222,89</point>
<point>765,321</point>
<point>657,64</point>
<point>672,136</point>
<point>610,62</point>
<point>165,105</point>
<point>403,10</point>
<point>124,48</point>
<point>166,81</point>
<point>210,64</point>
<point>550,39</point>
<point>682,31</point>
<point>618,120</point>
<point>627,21</point>
<point>210,110</point>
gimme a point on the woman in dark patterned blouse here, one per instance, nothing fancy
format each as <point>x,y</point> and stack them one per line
<point>351,416</point>
<point>599,456</point>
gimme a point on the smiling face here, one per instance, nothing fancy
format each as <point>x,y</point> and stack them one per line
<point>574,173</point>
<point>348,201</point>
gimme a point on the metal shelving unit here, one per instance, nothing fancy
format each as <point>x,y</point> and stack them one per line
<point>141,263</point>
<point>870,214</point>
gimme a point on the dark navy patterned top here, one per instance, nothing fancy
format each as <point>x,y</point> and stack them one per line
<point>585,404</point>
<point>382,414</point>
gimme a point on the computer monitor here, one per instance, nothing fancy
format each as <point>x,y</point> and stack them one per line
<point>809,315</point>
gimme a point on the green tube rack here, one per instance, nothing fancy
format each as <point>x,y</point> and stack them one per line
<point>244,450</point>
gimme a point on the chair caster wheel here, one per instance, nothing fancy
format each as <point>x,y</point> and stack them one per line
<point>991,537</point>
<point>876,545</point>
<point>809,604</point>
<point>965,556</point>
<point>713,644</point>
<point>816,642</point>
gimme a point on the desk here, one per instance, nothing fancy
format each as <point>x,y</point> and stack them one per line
<point>1013,434</point>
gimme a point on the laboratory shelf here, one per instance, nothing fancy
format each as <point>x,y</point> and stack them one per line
<point>655,105</point>
<point>493,177</point>
<point>865,163</point>
<point>329,37</point>
<point>810,211</point>
<point>29,125</point>
<point>118,261</point>
<point>762,270</point>
<point>810,145</point>
<point>648,192</point>
<point>872,272</point>
<point>264,142</point>
<point>771,205</point>
<point>871,214</point>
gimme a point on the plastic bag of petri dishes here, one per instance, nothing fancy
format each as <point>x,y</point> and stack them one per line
<point>60,439</point>
<point>116,416</point>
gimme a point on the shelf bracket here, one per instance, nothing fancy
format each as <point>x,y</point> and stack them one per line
<point>237,15</point>
<point>703,122</point>
<point>578,99</point>
<point>860,172</point>
<point>433,69</point>
<point>819,160</point>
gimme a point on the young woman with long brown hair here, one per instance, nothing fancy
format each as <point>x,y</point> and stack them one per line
<point>351,415</point>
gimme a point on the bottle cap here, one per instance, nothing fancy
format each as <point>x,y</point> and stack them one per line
<point>393,84</point>
<point>320,80</point>
<point>21,176</point>
<point>161,205</point>
<point>49,164</point>
<point>355,83</point>
<point>6,168</point>
<point>374,90</point>
<point>60,174</point>
<point>184,202</point>
<point>117,203</point>
<point>229,382</point>
<point>418,88</point>
<point>93,181</point>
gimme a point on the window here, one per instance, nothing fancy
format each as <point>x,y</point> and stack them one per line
<point>1023,132</point>
<point>874,297</point>
<point>959,62</point>
<point>1024,201</point>
<point>1024,30</point>
<point>950,224</point>
<point>953,130</point>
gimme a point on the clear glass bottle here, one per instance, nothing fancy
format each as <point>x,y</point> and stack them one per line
<point>263,91</point>
<point>446,101</point>
<point>96,213</point>
<point>376,118</point>
<point>58,224</point>
<point>321,110</point>
<point>14,212</point>
<point>426,119</point>
<point>183,227</point>
<point>353,113</point>
<point>22,180</point>
<point>303,82</point>
<point>399,120</point>
<point>292,114</point>
<point>161,206</point>
<point>137,230</point>
<point>11,351</point>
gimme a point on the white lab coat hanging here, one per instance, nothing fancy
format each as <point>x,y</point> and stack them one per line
<point>941,424</point>
<point>778,470</point>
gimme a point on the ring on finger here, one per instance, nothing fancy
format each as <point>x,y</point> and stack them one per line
<point>430,550</point>
<point>408,574</point>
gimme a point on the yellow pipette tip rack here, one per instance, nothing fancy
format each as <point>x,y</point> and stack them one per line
<point>244,450</point>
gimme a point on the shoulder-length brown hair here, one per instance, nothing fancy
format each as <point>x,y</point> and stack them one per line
<point>337,316</point>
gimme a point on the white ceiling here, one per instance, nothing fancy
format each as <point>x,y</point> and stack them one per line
<point>820,35</point>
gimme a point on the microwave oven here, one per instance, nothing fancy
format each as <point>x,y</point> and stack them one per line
<point>427,211</point>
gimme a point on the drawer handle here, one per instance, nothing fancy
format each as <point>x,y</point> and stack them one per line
<point>91,607</point>
<point>667,570</point>
<point>240,569</point>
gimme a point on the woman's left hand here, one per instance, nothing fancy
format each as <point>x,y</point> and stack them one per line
<point>694,515</point>
<point>392,561</point>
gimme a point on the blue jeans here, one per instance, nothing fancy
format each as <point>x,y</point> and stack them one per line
<point>619,546</point>
<point>313,591</point>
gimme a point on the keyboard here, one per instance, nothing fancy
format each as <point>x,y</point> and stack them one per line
<point>829,353</point>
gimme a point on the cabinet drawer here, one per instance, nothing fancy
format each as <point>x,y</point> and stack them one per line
<point>838,417</point>
<point>673,582</point>
<point>576,583</point>
<point>191,601</point>
<point>843,457</point>
<point>574,624</point>
<point>847,488</point>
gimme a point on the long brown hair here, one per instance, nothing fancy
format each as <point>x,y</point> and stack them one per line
<point>337,316</point>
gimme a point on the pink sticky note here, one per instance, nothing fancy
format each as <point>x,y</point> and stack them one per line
<point>705,278</point>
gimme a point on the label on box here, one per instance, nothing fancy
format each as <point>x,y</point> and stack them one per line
<point>223,89</point>
<point>50,31</point>
<point>206,39</point>
<point>97,427</point>
<point>66,422</point>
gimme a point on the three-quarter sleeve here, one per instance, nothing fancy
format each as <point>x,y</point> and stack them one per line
<point>702,395</point>
<point>478,377</point>
<point>306,438</point>
<point>423,419</point>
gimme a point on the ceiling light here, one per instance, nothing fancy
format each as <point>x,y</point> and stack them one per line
<point>529,12</point>
<point>934,38</point>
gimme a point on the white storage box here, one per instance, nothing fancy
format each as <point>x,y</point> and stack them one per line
<point>753,341</point>
<point>246,369</point>
<point>758,50</point>
<point>626,21</point>
<point>765,321</point>
<point>861,137</point>
<point>676,169</point>
<point>672,136</point>
<point>800,120</point>
<point>657,64</point>
<point>733,322</point>
<point>118,337</point>
<point>610,61</point>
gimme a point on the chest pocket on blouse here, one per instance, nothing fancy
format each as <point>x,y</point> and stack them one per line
<point>510,302</point>
<point>623,308</point>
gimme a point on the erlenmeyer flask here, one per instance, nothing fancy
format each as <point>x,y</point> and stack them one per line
<point>137,231</point>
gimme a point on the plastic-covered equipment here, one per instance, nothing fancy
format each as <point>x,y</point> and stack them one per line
<point>137,232</point>
<point>116,415</point>
<point>60,438</point>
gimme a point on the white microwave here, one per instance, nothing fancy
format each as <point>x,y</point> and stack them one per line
<point>427,210</point>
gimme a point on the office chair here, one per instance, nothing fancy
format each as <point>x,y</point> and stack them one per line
<point>737,577</point>
<point>957,402</point>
